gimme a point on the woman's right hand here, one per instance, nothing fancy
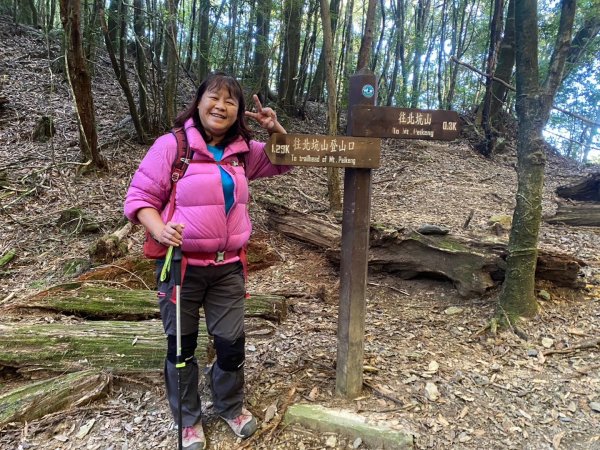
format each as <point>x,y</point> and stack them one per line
<point>171,234</point>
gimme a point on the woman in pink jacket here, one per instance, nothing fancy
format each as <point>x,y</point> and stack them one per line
<point>211,224</point>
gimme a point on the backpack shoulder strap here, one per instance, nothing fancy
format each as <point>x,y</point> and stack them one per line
<point>184,154</point>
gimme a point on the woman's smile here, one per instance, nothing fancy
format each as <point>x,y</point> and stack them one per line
<point>218,112</point>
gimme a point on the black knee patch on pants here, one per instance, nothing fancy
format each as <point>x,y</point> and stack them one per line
<point>189,342</point>
<point>230,355</point>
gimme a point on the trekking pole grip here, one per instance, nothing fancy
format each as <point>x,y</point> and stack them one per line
<point>176,265</point>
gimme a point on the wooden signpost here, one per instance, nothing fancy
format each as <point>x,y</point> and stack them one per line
<point>403,123</point>
<point>323,151</point>
<point>358,155</point>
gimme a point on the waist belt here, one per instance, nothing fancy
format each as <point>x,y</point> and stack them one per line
<point>212,256</point>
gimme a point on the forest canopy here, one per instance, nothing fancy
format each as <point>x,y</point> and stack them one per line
<point>426,54</point>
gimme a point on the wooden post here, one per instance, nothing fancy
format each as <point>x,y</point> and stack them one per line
<point>354,255</point>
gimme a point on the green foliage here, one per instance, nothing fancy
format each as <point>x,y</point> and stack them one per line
<point>453,28</point>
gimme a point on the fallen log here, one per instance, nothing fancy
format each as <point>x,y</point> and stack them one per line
<point>111,246</point>
<point>36,349</point>
<point>35,400</point>
<point>472,265</point>
<point>303,227</point>
<point>133,271</point>
<point>471,268</point>
<point>577,214</point>
<point>587,189</point>
<point>98,301</point>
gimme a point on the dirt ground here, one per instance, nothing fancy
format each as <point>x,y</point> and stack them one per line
<point>430,369</point>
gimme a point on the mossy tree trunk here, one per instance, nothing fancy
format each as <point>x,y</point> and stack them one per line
<point>533,108</point>
<point>33,401</point>
<point>73,346</point>
<point>97,301</point>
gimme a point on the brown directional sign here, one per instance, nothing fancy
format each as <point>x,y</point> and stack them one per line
<point>403,123</point>
<point>324,151</point>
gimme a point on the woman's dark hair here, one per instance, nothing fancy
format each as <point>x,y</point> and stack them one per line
<point>214,82</point>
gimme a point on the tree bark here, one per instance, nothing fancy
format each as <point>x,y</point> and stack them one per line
<point>98,301</point>
<point>577,215</point>
<point>506,63</point>
<point>533,108</point>
<point>583,37</point>
<point>291,55</point>
<point>36,400</point>
<point>202,57</point>
<point>316,87</point>
<point>421,20</point>
<point>261,48</point>
<point>68,347</point>
<point>333,174</point>
<point>587,189</point>
<point>399,58</point>
<point>171,63</point>
<point>496,27</point>
<point>364,54</point>
<point>140,63</point>
<point>120,69</point>
<point>81,83</point>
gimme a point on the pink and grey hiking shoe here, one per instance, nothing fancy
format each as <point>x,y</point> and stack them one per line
<point>243,425</point>
<point>193,438</point>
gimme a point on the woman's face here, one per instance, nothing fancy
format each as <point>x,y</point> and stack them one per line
<point>218,112</point>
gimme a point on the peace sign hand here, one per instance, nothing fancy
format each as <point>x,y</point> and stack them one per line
<point>265,117</point>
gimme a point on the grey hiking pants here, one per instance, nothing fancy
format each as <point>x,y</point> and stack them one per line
<point>220,290</point>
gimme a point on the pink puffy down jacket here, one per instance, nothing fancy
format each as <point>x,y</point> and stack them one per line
<point>199,202</point>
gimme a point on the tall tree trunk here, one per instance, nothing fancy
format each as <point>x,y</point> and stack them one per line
<point>121,70</point>
<point>333,174</point>
<point>140,63</point>
<point>33,14</point>
<point>291,55</point>
<point>495,30</point>
<point>398,50</point>
<point>380,40</point>
<point>203,40</point>
<point>90,33</point>
<point>230,52</point>
<point>307,45</point>
<point>171,58</point>
<point>190,52</point>
<point>316,88</point>
<point>262,49</point>
<point>421,19</point>
<point>248,65</point>
<point>533,108</point>
<point>506,62</point>
<point>364,54</point>
<point>347,53</point>
<point>113,20</point>
<point>81,83</point>
<point>460,22</point>
<point>442,54</point>
<point>589,30</point>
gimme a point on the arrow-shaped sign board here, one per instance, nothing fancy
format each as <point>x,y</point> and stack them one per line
<point>323,151</point>
<point>404,123</point>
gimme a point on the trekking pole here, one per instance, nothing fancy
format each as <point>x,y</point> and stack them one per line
<point>176,266</point>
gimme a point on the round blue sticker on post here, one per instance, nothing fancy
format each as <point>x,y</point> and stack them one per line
<point>368,91</point>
